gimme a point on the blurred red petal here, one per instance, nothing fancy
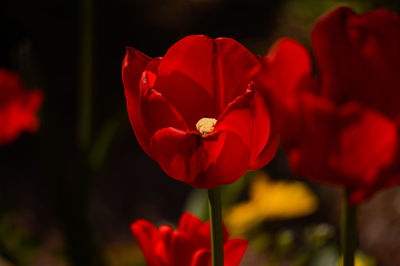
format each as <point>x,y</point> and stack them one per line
<point>18,107</point>
<point>288,62</point>
<point>358,57</point>
<point>189,223</point>
<point>202,257</point>
<point>368,143</point>
<point>144,233</point>
<point>234,250</point>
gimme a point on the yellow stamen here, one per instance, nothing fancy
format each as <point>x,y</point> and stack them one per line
<point>206,125</point>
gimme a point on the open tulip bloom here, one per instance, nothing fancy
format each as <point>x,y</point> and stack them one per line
<point>197,112</point>
<point>188,245</point>
<point>341,128</point>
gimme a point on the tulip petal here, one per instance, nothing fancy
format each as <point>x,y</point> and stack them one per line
<point>18,107</point>
<point>167,247</point>
<point>359,57</point>
<point>288,62</point>
<point>235,67</point>
<point>132,68</point>
<point>202,257</point>
<point>388,178</point>
<point>145,233</point>
<point>157,112</point>
<point>288,72</point>
<point>186,78</point>
<point>19,115</point>
<point>10,86</point>
<point>178,153</point>
<point>333,52</point>
<point>234,250</point>
<point>316,141</point>
<point>368,143</point>
<point>210,74</point>
<point>188,97</point>
<point>202,162</point>
<point>163,246</point>
<point>347,145</point>
<point>189,223</point>
<point>183,248</point>
<point>237,118</point>
<point>249,118</point>
<point>231,163</point>
<point>267,154</point>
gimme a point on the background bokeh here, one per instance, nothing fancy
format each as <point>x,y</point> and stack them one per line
<point>50,207</point>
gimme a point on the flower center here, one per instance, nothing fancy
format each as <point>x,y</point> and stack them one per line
<point>206,125</point>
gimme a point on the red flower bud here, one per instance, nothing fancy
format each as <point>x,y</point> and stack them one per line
<point>189,245</point>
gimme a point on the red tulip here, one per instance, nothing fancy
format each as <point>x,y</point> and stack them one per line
<point>197,111</point>
<point>18,107</point>
<point>342,127</point>
<point>189,245</point>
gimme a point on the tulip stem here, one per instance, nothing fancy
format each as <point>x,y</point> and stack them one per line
<point>217,245</point>
<point>349,230</point>
<point>85,74</point>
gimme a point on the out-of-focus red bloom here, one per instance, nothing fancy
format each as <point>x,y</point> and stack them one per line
<point>18,107</point>
<point>197,111</point>
<point>189,245</point>
<point>342,127</point>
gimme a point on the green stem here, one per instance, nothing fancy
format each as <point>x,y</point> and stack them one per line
<point>84,246</point>
<point>217,244</point>
<point>349,231</point>
<point>85,73</point>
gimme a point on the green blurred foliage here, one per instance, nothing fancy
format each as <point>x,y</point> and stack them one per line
<point>17,247</point>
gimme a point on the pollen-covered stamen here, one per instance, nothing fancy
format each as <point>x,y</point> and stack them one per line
<point>206,125</point>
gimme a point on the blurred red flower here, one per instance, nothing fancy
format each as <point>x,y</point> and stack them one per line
<point>189,245</point>
<point>197,111</point>
<point>342,127</point>
<point>18,107</point>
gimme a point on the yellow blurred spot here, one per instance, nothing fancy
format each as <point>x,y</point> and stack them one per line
<point>360,260</point>
<point>270,200</point>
